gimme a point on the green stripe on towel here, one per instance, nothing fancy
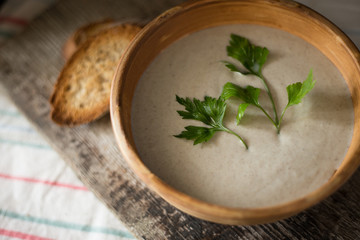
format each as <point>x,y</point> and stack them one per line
<point>66,225</point>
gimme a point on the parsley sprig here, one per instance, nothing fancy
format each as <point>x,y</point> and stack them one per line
<point>211,112</point>
<point>253,58</point>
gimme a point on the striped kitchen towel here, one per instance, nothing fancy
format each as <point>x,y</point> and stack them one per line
<point>41,198</point>
<point>16,14</point>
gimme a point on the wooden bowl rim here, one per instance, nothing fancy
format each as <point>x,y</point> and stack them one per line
<point>196,207</point>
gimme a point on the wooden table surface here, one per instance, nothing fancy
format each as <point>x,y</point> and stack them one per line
<point>30,64</point>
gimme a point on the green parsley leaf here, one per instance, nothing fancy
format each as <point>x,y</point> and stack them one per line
<point>249,94</point>
<point>297,91</point>
<point>198,134</point>
<point>211,112</point>
<point>234,68</point>
<point>241,112</point>
<point>251,57</point>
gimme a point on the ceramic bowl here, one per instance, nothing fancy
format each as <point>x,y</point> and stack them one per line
<point>192,16</point>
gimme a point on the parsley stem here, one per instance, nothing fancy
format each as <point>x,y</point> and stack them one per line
<point>276,122</point>
<point>282,114</point>
<point>233,133</point>
<point>268,116</point>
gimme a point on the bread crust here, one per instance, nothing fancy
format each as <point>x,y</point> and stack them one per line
<point>84,33</point>
<point>82,91</point>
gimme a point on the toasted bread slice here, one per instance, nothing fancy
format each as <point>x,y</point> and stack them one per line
<point>84,33</point>
<point>82,91</point>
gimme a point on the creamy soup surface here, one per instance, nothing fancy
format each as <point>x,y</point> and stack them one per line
<point>314,137</point>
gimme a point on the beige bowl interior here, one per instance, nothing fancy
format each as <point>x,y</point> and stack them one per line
<point>196,15</point>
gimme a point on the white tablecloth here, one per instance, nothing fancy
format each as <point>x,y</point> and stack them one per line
<point>41,198</point>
